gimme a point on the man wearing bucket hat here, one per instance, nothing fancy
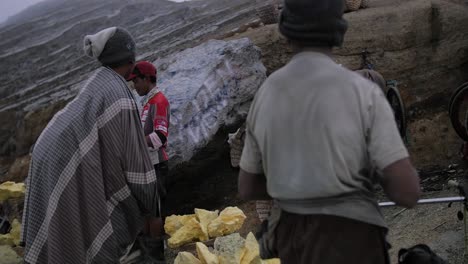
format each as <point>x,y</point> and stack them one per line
<point>91,180</point>
<point>316,133</point>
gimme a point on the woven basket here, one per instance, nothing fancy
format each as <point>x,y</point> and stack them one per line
<point>365,3</point>
<point>353,5</point>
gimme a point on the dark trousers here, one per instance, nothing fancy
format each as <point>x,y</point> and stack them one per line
<point>323,239</point>
<point>162,172</point>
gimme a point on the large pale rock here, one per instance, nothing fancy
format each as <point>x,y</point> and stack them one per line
<point>208,87</point>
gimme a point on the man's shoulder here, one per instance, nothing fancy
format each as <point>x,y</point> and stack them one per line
<point>159,98</point>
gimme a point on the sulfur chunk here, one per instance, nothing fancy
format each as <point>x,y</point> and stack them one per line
<point>205,256</point>
<point>175,222</point>
<point>186,258</point>
<point>229,221</point>
<point>251,251</point>
<point>191,231</point>
<point>205,217</point>
<point>11,190</point>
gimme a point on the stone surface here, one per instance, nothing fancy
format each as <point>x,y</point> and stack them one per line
<point>422,44</point>
<point>18,171</point>
<point>209,86</point>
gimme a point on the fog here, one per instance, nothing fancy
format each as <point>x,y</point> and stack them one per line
<point>12,7</point>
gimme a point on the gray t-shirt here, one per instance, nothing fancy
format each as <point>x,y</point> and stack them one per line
<point>318,132</point>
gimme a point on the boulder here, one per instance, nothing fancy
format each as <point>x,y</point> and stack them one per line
<point>209,86</point>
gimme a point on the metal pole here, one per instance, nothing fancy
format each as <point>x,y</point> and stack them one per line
<point>429,201</point>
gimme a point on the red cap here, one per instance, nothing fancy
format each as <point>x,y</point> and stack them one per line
<point>143,68</point>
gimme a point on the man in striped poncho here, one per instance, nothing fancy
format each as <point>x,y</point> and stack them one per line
<point>91,181</point>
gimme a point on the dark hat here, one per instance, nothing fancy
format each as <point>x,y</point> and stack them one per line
<point>317,23</point>
<point>143,68</point>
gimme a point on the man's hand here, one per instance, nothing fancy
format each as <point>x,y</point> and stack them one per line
<point>401,183</point>
<point>252,186</point>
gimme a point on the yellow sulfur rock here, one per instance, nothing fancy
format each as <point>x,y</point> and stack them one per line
<point>6,240</point>
<point>11,190</point>
<point>12,238</point>
<point>229,221</point>
<point>9,256</point>
<point>16,232</point>
<point>205,217</point>
<point>251,251</point>
<point>191,231</point>
<point>271,261</point>
<point>229,249</point>
<point>186,258</point>
<point>205,256</point>
<point>175,222</point>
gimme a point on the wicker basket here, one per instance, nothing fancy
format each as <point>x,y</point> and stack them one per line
<point>365,3</point>
<point>353,5</point>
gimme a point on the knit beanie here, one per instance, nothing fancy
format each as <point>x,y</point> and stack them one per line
<point>110,46</point>
<point>317,23</point>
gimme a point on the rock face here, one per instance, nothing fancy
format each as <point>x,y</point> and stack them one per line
<point>208,87</point>
<point>422,44</point>
<point>43,65</point>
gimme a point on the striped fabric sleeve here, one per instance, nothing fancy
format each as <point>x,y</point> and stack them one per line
<point>139,170</point>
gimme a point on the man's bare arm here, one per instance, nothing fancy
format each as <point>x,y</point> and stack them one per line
<point>401,183</point>
<point>252,186</point>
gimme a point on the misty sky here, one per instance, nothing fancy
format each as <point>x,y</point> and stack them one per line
<point>11,7</point>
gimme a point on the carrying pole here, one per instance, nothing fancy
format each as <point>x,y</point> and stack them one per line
<point>430,201</point>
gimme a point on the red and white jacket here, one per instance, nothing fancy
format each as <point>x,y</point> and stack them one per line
<point>155,118</point>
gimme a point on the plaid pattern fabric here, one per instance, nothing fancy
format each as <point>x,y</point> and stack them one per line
<point>90,180</point>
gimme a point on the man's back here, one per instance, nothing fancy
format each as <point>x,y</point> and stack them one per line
<point>314,123</point>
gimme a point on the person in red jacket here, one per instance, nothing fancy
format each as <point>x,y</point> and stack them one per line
<point>155,118</point>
